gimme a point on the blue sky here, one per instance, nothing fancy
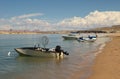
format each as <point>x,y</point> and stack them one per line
<point>56,8</point>
<point>52,11</point>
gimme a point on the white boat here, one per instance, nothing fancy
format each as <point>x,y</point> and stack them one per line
<point>41,52</point>
<point>89,39</point>
<point>71,36</point>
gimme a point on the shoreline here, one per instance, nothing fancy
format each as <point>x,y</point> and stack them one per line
<point>107,62</point>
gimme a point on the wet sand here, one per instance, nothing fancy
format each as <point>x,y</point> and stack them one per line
<point>107,63</point>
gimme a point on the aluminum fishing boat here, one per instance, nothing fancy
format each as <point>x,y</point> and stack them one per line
<point>41,52</point>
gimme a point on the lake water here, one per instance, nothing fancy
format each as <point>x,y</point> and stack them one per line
<point>77,65</point>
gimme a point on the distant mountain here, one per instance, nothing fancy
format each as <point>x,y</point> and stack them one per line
<point>115,28</point>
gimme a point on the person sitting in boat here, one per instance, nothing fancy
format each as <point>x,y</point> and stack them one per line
<point>90,37</point>
<point>81,38</point>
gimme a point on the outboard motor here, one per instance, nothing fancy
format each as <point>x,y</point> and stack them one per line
<point>58,49</point>
<point>66,53</point>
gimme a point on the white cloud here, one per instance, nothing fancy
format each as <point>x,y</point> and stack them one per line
<point>92,20</point>
<point>36,22</point>
<point>25,22</point>
<point>27,16</point>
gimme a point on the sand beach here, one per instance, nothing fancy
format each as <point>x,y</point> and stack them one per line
<point>107,63</point>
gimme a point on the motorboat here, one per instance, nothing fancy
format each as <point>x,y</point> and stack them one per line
<point>71,36</point>
<point>41,52</point>
<point>89,38</point>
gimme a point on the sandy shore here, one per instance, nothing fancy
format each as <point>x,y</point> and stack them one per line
<point>107,63</point>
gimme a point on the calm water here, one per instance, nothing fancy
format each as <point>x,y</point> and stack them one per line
<point>76,65</point>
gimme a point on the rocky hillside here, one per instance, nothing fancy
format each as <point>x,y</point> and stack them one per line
<point>113,29</point>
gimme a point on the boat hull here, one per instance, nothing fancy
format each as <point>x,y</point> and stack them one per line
<point>34,52</point>
<point>87,39</point>
<point>69,37</point>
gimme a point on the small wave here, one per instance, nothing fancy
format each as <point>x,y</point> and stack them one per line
<point>102,46</point>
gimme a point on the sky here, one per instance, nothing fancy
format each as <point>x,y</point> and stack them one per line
<point>47,15</point>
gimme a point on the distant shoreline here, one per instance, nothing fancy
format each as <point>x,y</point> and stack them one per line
<point>52,32</point>
<point>31,32</point>
<point>113,29</point>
